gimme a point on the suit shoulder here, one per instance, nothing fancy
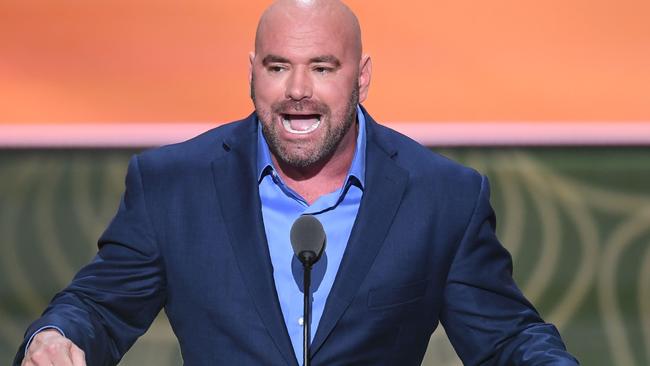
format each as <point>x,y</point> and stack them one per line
<point>422,162</point>
<point>438,183</point>
<point>199,149</point>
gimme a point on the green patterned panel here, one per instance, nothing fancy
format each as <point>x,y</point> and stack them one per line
<point>576,220</point>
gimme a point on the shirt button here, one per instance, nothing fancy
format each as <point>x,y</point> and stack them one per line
<point>301,321</point>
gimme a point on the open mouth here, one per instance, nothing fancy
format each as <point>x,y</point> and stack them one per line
<point>301,123</point>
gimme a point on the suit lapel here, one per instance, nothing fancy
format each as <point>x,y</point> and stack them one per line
<point>237,190</point>
<point>385,185</point>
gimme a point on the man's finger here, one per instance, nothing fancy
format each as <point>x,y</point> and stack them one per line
<point>78,356</point>
<point>59,353</point>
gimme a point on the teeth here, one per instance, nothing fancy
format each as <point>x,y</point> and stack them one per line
<point>287,126</point>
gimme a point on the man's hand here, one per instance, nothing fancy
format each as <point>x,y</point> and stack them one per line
<point>49,347</point>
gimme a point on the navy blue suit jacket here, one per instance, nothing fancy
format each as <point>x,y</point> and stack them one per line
<point>189,237</point>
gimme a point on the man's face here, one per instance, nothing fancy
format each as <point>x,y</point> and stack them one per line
<point>305,84</point>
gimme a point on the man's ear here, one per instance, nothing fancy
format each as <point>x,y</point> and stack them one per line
<point>251,59</point>
<point>365,72</point>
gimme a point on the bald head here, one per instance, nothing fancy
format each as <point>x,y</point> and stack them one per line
<point>332,16</point>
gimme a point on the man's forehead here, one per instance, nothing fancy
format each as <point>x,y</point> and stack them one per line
<point>310,43</point>
<point>325,58</point>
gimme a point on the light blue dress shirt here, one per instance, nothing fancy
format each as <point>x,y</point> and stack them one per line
<point>337,211</point>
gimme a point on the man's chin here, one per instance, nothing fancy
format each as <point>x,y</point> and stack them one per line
<point>299,161</point>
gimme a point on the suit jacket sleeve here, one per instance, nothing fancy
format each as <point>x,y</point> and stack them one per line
<point>114,299</point>
<point>485,315</point>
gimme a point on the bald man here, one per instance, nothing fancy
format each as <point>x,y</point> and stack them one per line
<point>203,231</point>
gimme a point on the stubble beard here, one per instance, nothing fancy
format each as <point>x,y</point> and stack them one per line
<point>311,153</point>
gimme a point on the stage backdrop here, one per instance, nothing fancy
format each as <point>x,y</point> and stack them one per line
<point>181,61</point>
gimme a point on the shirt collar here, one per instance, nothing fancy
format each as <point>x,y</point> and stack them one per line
<point>356,174</point>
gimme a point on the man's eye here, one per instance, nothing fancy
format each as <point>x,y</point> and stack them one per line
<point>322,69</point>
<point>276,69</point>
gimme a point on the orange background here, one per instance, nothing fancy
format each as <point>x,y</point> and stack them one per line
<point>450,60</point>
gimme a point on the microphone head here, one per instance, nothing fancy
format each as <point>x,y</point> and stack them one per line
<point>307,239</point>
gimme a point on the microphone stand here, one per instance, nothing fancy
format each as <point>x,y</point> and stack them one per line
<point>306,311</point>
<point>307,240</point>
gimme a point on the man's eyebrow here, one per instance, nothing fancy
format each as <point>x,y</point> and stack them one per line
<point>269,59</point>
<point>274,58</point>
<point>329,59</point>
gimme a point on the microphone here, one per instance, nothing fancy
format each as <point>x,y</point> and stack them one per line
<point>308,241</point>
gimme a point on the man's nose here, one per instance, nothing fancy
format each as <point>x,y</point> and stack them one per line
<point>299,85</point>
